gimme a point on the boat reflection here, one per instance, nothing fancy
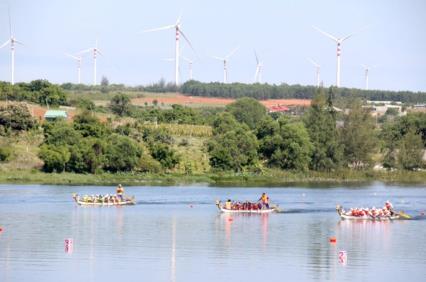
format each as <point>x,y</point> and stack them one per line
<point>236,223</point>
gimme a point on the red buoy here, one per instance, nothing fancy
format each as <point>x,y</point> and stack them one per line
<point>230,219</point>
<point>332,240</point>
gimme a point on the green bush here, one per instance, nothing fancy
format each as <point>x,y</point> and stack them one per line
<point>5,153</point>
<point>55,158</point>
<point>165,155</point>
<point>148,164</point>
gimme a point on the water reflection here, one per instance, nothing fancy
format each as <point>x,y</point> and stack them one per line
<point>173,259</point>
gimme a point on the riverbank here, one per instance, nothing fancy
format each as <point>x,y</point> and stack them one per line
<point>269,178</point>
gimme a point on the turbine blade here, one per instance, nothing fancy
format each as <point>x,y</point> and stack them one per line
<point>169,59</point>
<point>326,34</point>
<point>313,62</point>
<point>347,37</point>
<point>159,28</point>
<point>257,59</point>
<point>4,44</point>
<point>10,22</point>
<point>232,52</point>
<point>85,51</point>
<point>179,18</point>
<point>186,59</point>
<point>99,51</point>
<point>189,42</point>
<point>72,56</point>
<point>19,42</point>
<point>218,58</point>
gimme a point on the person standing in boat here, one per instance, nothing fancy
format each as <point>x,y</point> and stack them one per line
<point>120,192</point>
<point>265,200</point>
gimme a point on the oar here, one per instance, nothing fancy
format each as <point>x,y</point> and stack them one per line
<point>276,208</point>
<point>403,215</point>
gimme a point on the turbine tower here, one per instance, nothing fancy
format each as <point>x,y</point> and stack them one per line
<point>317,70</point>
<point>339,42</point>
<point>225,63</point>
<point>190,62</point>
<point>366,72</point>
<point>178,32</point>
<point>12,40</point>
<point>259,66</point>
<point>78,59</point>
<point>95,51</point>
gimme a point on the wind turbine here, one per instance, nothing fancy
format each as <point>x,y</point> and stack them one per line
<point>259,66</point>
<point>366,71</point>
<point>95,51</point>
<point>78,59</point>
<point>339,42</point>
<point>190,62</point>
<point>178,29</point>
<point>12,40</point>
<point>317,70</point>
<point>225,63</point>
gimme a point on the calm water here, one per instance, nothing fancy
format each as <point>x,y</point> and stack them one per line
<point>176,234</point>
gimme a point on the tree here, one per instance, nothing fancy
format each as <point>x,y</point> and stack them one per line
<point>410,154</point>
<point>89,125</point>
<point>54,157</point>
<point>16,117</point>
<point>104,84</point>
<point>121,153</point>
<point>120,104</point>
<point>223,123</point>
<point>87,157</point>
<point>288,147</point>
<point>61,133</point>
<point>248,111</point>
<point>165,155</point>
<point>320,122</point>
<point>358,136</point>
<point>233,150</point>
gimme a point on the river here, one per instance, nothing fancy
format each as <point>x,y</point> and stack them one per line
<point>176,234</point>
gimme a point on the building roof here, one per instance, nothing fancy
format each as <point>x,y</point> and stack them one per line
<point>55,114</point>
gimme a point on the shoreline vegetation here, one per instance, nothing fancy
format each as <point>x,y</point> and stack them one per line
<point>244,143</point>
<point>273,178</point>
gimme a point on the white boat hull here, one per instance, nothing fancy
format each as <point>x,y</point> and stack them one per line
<point>261,211</point>
<point>344,215</point>
<point>127,202</point>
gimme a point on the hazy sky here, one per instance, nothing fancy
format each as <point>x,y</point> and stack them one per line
<point>280,31</point>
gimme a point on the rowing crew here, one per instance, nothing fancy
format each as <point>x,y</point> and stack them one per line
<point>386,211</point>
<point>104,199</point>
<point>262,203</point>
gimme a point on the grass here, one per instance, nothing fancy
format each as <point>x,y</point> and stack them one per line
<point>282,178</point>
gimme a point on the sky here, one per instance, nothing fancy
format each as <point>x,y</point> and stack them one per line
<point>394,40</point>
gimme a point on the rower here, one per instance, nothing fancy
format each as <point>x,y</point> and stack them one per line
<point>120,192</point>
<point>228,204</point>
<point>265,200</point>
<point>388,206</point>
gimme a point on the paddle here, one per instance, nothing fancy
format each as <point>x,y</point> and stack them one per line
<point>276,208</point>
<point>403,215</point>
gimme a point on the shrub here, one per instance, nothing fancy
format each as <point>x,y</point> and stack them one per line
<point>5,153</point>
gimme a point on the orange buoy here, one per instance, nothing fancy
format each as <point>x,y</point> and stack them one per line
<point>332,240</point>
<point>1,229</point>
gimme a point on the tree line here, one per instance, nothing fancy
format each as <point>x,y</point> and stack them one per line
<point>246,137</point>
<point>285,91</point>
